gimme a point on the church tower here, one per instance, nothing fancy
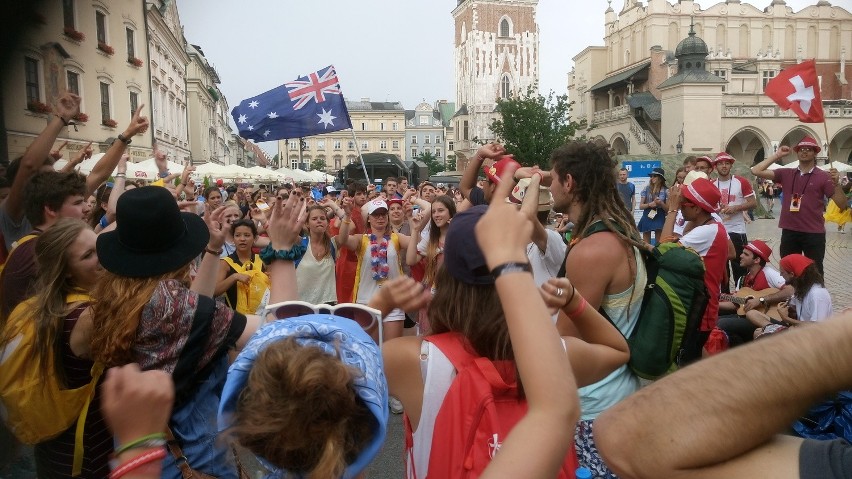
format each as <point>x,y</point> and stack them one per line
<point>496,56</point>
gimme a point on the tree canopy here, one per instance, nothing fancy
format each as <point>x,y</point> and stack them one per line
<point>532,125</point>
<point>435,164</point>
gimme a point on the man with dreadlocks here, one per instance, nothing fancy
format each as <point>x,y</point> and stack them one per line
<point>607,270</point>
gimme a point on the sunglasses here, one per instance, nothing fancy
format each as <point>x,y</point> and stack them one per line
<point>365,316</point>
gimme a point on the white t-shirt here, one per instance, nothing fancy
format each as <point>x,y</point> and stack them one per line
<point>773,278</point>
<point>701,238</point>
<point>815,307</point>
<point>680,222</point>
<point>315,279</point>
<point>546,264</point>
<point>734,193</point>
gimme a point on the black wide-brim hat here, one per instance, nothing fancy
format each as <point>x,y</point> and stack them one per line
<point>152,236</point>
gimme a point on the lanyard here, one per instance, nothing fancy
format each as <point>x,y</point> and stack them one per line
<point>796,177</point>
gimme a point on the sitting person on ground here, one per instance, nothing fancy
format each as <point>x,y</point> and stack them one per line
<point>810,303</point>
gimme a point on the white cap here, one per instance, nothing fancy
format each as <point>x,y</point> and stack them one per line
<point>375,205</point>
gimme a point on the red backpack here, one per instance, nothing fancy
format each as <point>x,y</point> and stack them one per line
<point>480,409</point>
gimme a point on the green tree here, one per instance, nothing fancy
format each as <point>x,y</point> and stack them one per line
<point>318,164</point>
<point>435,165</point>
<point>451,163</point>
<point>532,125</point>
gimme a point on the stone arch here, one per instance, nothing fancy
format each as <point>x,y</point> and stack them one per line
<point>840,147</point>
<point>795,135</point>
<point>505,27</point>
<point>748,145</point>
<point>619,144</point>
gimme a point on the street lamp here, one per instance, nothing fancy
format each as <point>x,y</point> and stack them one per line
<point>679,146</point>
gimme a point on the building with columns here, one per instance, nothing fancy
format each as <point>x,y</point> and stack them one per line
<point>94,49</point>
<point>496,56</point>
<point>169,59</point>
<point>667,71</point>
<point>379,128</point>
<point>210,135</point>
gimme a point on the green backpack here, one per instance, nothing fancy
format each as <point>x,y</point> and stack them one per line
<point>673,304</point>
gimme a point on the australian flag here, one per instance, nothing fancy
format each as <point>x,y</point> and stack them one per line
<point>310,105</point>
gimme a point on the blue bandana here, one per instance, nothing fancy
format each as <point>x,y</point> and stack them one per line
<point>331,334</point>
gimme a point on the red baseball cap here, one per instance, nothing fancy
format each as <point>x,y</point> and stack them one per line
<point>494,171</point>
<point>760,249</point>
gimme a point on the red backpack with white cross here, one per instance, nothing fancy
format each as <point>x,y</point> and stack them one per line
<point>479,410</point>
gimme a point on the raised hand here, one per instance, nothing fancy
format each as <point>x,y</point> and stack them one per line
<point>286,221</point>
<point>136,403</point>
<point>215,221</point>
<point>138,124</point>
<point>85,153</point>
<point>67,106</point>
<point>491,150</point>
<point>403,293</point>
<point>502,216</point>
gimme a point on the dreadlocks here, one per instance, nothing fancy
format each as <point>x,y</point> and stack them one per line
<point>593,170</point>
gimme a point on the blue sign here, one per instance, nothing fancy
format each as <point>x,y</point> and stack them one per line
<point>640,169</point>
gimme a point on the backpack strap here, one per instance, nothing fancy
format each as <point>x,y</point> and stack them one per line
<point>453,345</point>
<point>232,264</point>
<point>593,228</point>
<point>185,380</point>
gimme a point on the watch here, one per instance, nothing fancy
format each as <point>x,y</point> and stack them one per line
<point>124,139</point>
<point>762,300</point>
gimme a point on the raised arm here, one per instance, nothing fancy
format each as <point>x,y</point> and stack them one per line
<point>468,180</point>
<point>761,170</point>
<point>117,190</point>
<point>104,167</point>
<point>538,443</point>
<point>83,154</point>
<point>67,107</point>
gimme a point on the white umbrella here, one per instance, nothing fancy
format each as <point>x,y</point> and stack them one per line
<point>841,167</point>
<point>147,169</point>
<point>294,175</point>
<point>212,169</point>
<point>84,167</point>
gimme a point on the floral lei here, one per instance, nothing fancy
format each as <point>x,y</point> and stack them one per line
<point>379,257</point>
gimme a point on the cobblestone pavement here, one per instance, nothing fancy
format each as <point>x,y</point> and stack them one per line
<point>837,262</point>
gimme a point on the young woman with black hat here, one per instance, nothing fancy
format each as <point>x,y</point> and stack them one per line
<point>147,311</point>
<point>653,204</point>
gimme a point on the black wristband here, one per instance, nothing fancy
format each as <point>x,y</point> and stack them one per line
<point>510,267</point>
<point>124,140</point>
<point>64,121</point>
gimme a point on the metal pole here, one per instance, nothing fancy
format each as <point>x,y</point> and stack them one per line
<point>358,149</point>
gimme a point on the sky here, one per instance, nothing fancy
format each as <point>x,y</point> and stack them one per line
<point>384,50</point>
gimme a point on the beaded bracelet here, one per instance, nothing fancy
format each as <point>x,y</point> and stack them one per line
<point>138,462</point>
<point>268,255</point>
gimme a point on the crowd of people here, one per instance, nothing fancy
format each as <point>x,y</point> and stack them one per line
<point>290,321</point>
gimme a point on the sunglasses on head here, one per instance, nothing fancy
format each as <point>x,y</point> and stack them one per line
<point>365,316</point>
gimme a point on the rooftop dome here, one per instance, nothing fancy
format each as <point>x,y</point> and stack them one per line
<point>692,45</point>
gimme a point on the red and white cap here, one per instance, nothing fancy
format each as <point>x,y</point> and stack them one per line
<point>495,170</point>
<point>723,156</point>
<point>808,142</point>
<point>760,249</point>
<point>703,193</point>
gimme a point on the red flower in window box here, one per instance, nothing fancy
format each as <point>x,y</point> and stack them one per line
<point>81,118</point>
<point>38,107</point>
<point>134,61</point>
<point>110,123</point>
<point>106,48</point>
<point>74,34</point>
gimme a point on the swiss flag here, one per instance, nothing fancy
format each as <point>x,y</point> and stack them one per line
<point>797,87</point>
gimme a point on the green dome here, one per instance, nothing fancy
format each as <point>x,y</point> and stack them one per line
<point>692,45</point>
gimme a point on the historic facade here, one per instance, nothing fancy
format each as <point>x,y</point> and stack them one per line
<point>496,56</point>
<point>169,59</point>
<point>94,49</point>
<point>667,71</point>
<point>424,133</point>
<point>210,134</point>
<point>379,128</point>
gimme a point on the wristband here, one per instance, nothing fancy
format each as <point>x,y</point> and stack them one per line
<point>124,139</point>
<point>579,309</point>
<point>65,122</point>
<point>138,462</point>
<point>268,254</point>
<point>150,441</point>
<point>212,251</point>
<point>163,174</point>
<point>104,221</point>
<point>120,175</point>
<point>511,267</point>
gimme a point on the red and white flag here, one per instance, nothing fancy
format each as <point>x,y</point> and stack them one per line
<point>797,88</point>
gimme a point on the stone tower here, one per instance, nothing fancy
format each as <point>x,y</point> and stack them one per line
<point>496,55</point>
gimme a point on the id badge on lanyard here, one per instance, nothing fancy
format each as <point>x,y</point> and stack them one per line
<point>795,203</point>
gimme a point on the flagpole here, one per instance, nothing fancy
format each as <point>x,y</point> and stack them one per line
<point>827,144</point>
<point>358,149</point>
